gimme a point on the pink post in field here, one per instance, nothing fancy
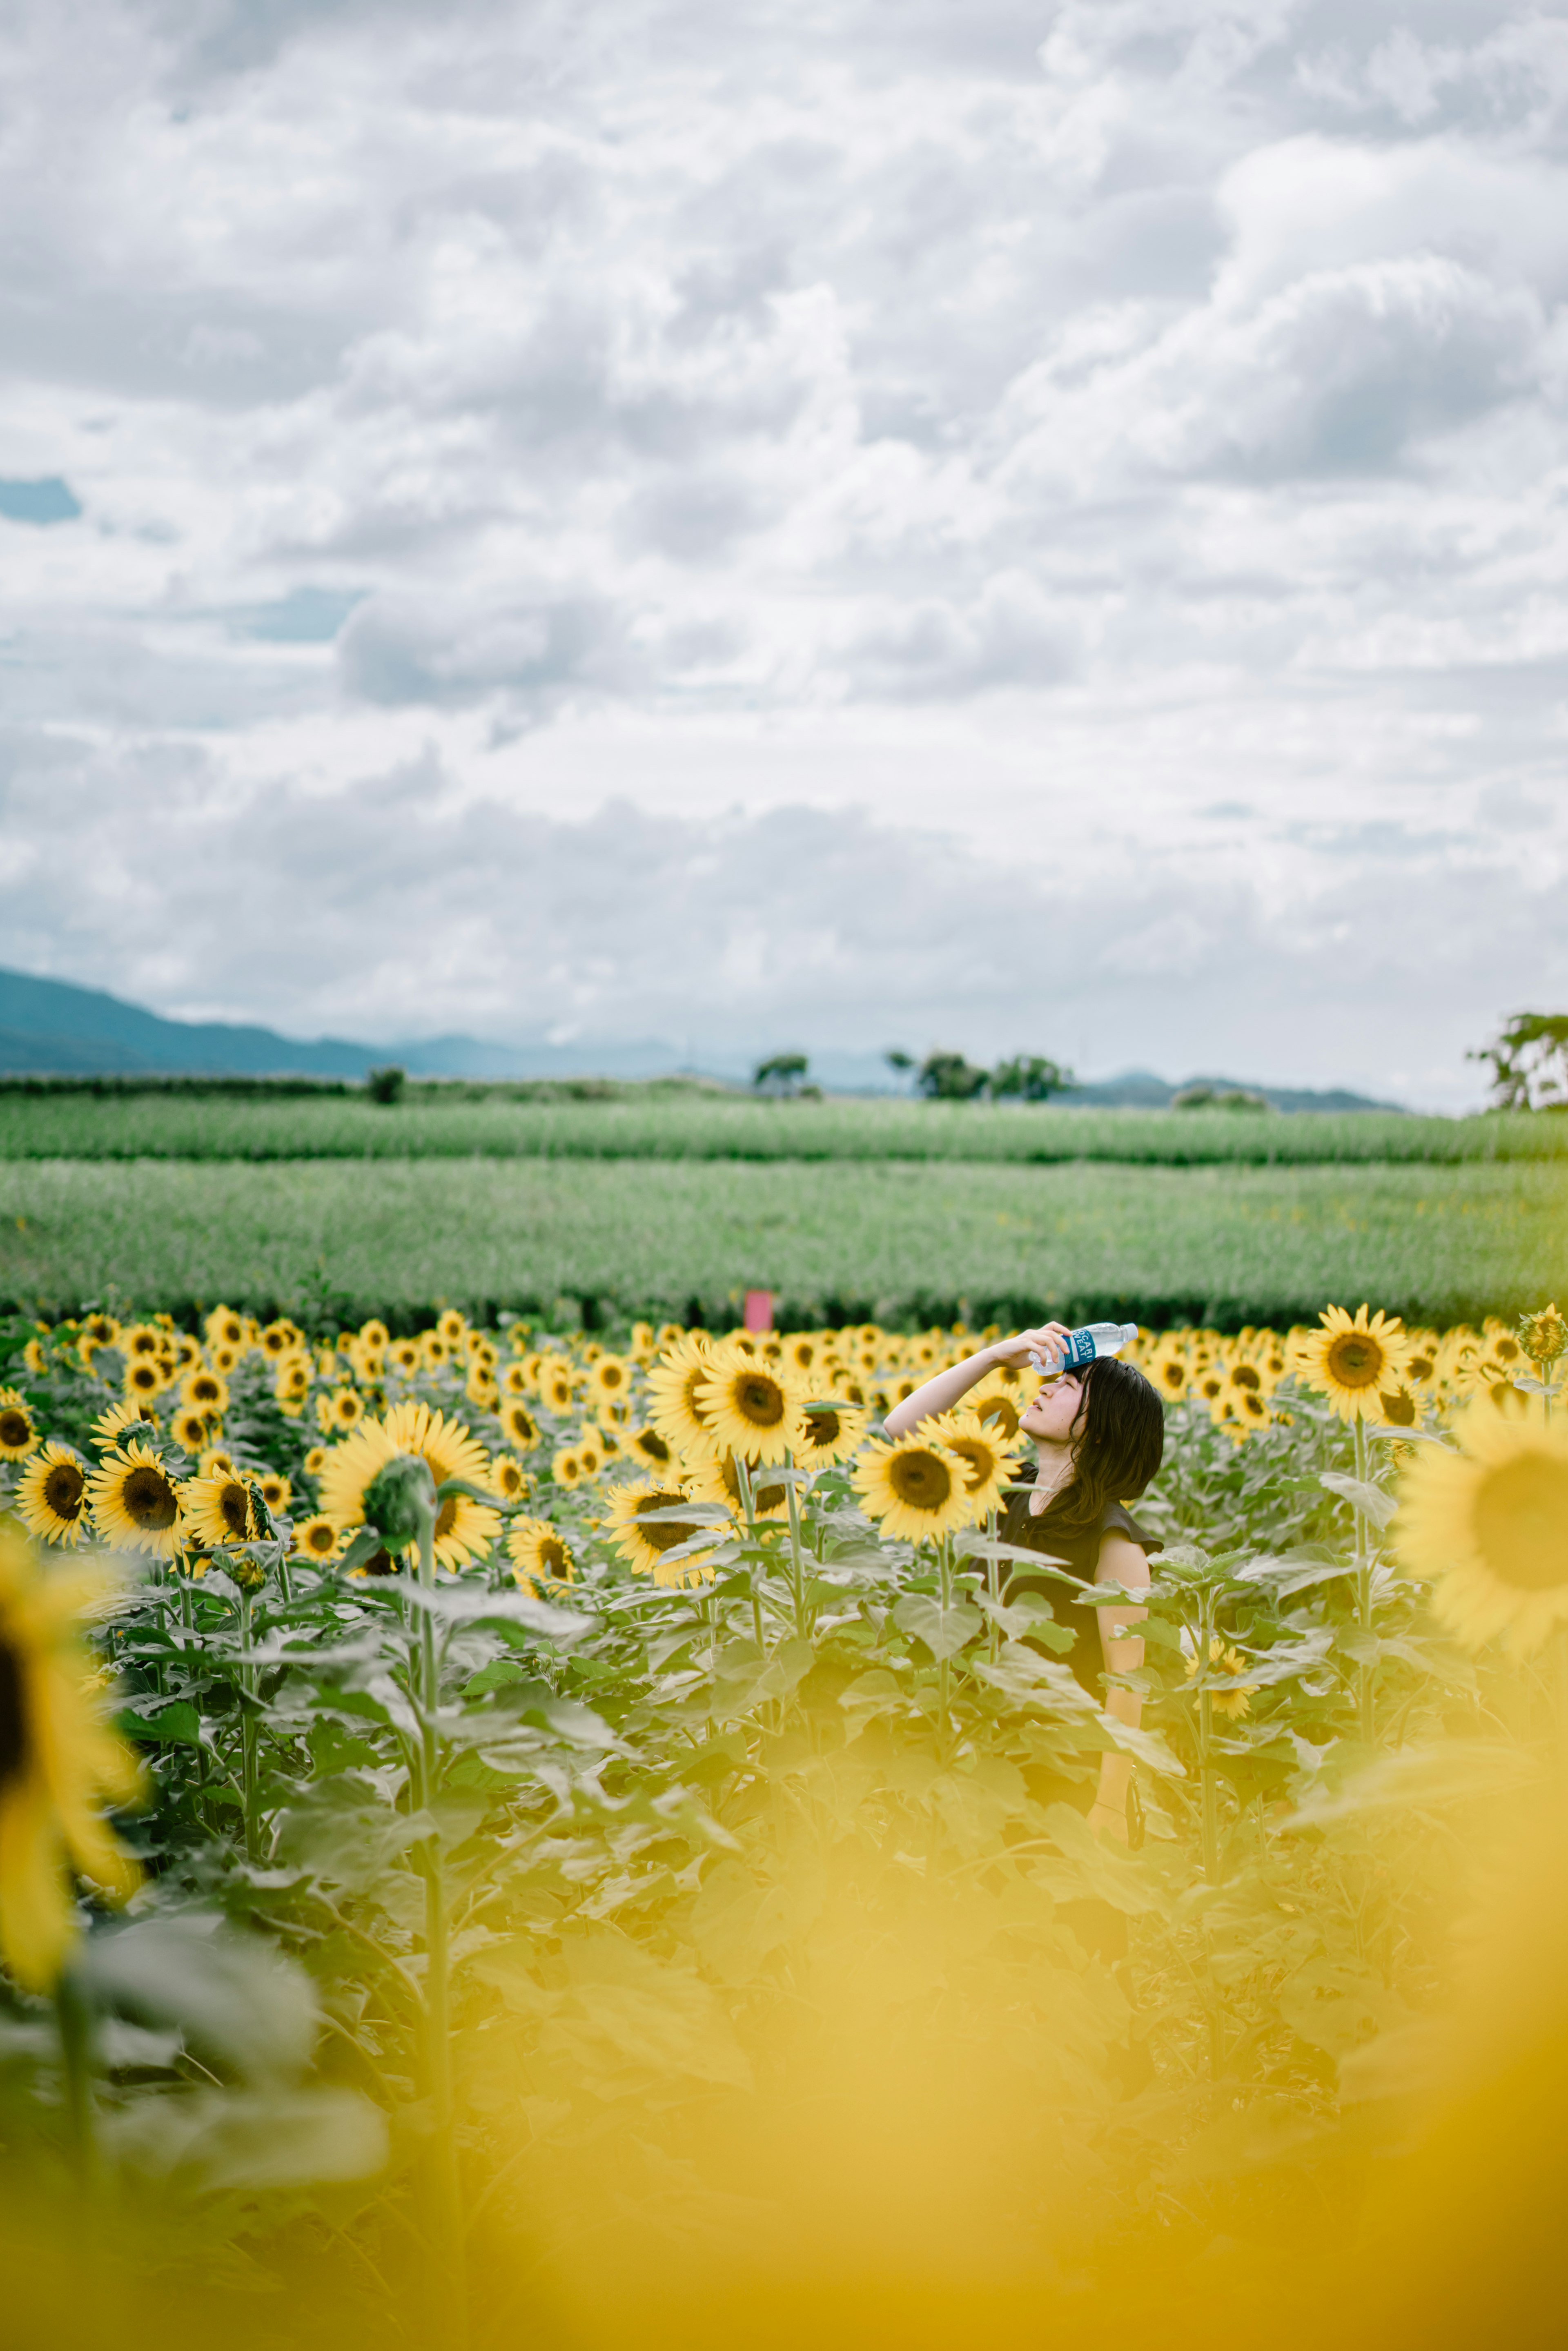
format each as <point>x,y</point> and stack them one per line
<point>759,1313</point>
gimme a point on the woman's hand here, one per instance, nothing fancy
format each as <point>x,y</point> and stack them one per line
<point>1045,1343</point>
<point>1108,1821</point>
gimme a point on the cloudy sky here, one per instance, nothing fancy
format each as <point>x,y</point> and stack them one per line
<point>762,522</point>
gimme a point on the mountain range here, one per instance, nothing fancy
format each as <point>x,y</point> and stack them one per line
<point>50,1028</point>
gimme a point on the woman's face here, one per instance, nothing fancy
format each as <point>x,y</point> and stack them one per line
<point>1054,1410</point>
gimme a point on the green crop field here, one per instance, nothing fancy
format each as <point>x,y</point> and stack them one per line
<point>654,1126</point>
<point>897,1239</point>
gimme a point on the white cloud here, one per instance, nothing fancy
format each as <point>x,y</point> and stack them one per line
<point>564,429</point>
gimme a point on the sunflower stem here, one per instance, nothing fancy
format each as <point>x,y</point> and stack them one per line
<point>75,2021</point>
<point>793,1505</point>
<point>448,2290</point>
<point>1365,1670</point>
<point>248,1739</point>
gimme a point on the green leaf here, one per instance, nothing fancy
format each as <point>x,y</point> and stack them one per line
<point>172,1722</point>
<point>1370,1501</point>
<point>944,1631</point>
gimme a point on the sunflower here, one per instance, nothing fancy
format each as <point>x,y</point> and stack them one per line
<point>1491,1523</point>
<point>643,1341</point>
<point>217,1463</point>
<point>223,1510</point>
<point>1352,1361</point>
<point>1168,1374</point>
<point>224,1328</point>
<point>101,1329</point>
<point>135,1501</point>
<point>403,1356</point>
<point>451,1326</point>
<point>987,1467</point>
<point>1544,1338</point>
<point>645,1539</point>
<point>51,1494</point>
<point>509,1478</point>
<point>463,1527</point>
<point>674,1390</point>
<point>610,1379</point>
<point>913,1488</point>
<point>750,1406</point>
<point>342,1410</point>
<point>144,1380</point>
<point>557,1388</point>
<point>374,1333</point>
<point>140,1339</point>
<point>318,1539</point>
<point>58,1760</point>
<point>18,1429</point>
<point>539,1556</point>
<point>224,1359</point>
<point>566,1468</point>
<point>190,1429</point>
<point>281,1338</point>
<point>1251,1408</point>
<point>481,1390</point>
<point>275,1490</point>
<point>1399,1405</point>
<point>825,1433</point>
<point>717,1480</point>
<point>648,1446</point>
<point>1223,1659</point>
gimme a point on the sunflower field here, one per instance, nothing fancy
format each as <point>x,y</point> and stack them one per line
<point>504,1834</point>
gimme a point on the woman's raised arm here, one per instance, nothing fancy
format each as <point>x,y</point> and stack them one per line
<point>943,1390</point>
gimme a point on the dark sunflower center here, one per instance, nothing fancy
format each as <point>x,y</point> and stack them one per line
<point>16,1429</point>
<point>695,1379</point>
<point>13,1714</point>
<point>1521,1523</point>
<point>980,1457</point>
<point>553,1555</point>
<point>63,1489</point>
<point>760,1401</point>
<point>822,1427</point>
<point>999,1411</point>
<point>663,1534</point>
<point>203,1391</point>
<point>446,1516</point>
<point>320,1540</point>
<point>921,1480</point>
<point>1245,1377</point>
<point>1356,1361</point>
<point>1399,1409</point>
<point>649,1441</point>
<point>234,1508</point>
<point>770,1498</point>
<point>149,1501</point>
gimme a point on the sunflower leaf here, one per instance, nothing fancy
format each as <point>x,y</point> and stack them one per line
<point>944,1631</point>
<point>1370,1501</point>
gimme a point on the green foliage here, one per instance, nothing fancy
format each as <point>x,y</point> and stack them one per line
<point>837,1242</point>
<point>1529,1062</point>
<point>596,1118</point>
<point>949,1077</point>
<point>1029,1077</point>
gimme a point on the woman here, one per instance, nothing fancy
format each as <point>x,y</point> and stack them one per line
<point>1099,1435</point>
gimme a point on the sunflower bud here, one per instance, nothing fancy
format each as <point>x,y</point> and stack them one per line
<point>401,1501</point>
<point>1544,1337</point>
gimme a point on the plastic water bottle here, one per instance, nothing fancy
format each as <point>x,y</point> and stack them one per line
<point>1084,1345</point>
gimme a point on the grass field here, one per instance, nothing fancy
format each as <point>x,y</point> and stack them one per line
<point>892,1239</point>
<point>704,1127</point>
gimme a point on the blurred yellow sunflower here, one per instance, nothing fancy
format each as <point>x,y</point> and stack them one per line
<point>144,1379</point>
<point>645,1538</point>
<point>135,1501</point>
<point>216,1462</point>
<point>1168,1374</point>
<point>451,1326</point>
<point>18,1429</point>
<point>140,1339</point>
<point>609,1380</point>
<point>674,1393</point>
<point>101,1329</point>
<point>224,1328</point>
<point>750,1405</point>
<point>403,1356</point>
<point>518,1425</point>
<point>190,1429</point>
<point>58,1762</point>
<point>1226,1660</point>
<point>647,1446</point>
<point>821,1433</point>
<point>1351,1359</point>
<point>340,1411</point>
<point>509,1478</point>
<point>1489,1523</point>
<point>207,1391</point>
<point>374,1333</point>
<point>318,1539</point>
<point>913,1488</point>
<point>540,1559</point>
<point>51,1494</point>
<point>222,1510</point>
<point>989,1468</point>
<point>566,1468</point>
<point>275,1490</point>
<point>718,1480</point>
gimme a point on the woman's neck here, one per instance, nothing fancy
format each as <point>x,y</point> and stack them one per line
<point>1053,1471</point>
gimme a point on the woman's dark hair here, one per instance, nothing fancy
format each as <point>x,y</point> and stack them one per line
<point>1118,1442</point>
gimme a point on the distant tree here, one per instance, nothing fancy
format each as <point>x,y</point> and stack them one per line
<point>386,1085</point>
<point>949,1077</point>
<point>1029,1078</point>
<point>1219,1098</point>
<point>781,1073</point>
<point>1529,1062</point>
